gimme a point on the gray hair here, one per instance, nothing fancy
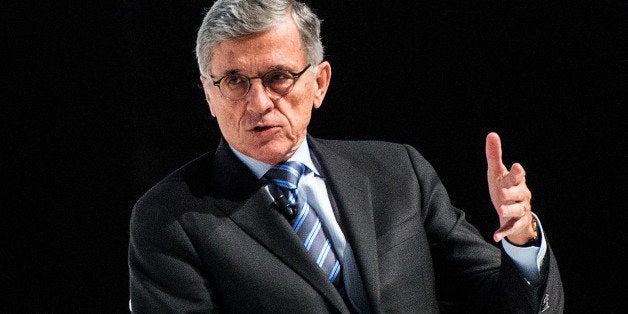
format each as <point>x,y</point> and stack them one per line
<point>229,19</point>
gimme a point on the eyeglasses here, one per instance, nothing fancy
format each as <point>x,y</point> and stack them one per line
<point>278,82</point>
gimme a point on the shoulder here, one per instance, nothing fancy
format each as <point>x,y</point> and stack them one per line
<point>379,160</point>
<point>175,190</point>
<point>368,151</point>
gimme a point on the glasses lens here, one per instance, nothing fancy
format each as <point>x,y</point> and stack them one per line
<point>279,82</point>
<point>234,86</point>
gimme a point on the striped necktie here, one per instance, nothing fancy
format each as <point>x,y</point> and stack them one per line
<point>285,177</point>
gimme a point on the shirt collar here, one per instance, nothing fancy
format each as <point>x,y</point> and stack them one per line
<point>302,154</point>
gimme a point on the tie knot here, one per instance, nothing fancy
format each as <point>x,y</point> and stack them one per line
<point>286,175</point>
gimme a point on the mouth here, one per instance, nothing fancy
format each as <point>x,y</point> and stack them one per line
<point>264,129</point>
<point>259,129</point>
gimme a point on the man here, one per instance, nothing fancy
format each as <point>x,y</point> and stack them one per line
<point>225,232</point>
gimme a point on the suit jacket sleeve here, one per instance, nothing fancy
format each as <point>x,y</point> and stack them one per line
<point>486,277</point>
<point>165,271</point>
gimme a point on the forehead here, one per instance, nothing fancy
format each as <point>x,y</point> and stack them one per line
<point>277,46</point>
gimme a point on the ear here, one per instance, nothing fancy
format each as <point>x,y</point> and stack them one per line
<point>323,76</point>
<point>206,88</point>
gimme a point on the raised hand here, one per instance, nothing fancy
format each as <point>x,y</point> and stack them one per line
<point>510,196</point>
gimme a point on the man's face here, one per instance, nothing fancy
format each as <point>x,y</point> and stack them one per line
<point>261,125</point>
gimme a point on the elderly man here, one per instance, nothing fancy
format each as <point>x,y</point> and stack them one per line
<point>275,220</point>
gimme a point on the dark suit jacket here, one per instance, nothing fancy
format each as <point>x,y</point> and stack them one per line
<point>207,237</point>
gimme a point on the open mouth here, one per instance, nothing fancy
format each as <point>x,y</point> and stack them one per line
<point>262,128</point>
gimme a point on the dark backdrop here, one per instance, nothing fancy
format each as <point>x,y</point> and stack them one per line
<point>103,100</point>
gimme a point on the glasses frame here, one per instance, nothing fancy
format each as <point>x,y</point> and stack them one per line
<point>295,77</point>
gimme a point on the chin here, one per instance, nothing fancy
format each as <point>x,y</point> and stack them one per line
<point>273,153</point>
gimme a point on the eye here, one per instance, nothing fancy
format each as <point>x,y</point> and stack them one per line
<point>277,76</point>
<point>234,80</point>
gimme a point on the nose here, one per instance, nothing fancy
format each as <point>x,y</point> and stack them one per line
<point>258,98</point>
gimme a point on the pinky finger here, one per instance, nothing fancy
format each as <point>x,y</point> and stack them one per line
<point>504,230</point>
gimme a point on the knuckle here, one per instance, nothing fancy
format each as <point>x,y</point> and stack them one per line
<point>501,211</point>
<point>503,194</point>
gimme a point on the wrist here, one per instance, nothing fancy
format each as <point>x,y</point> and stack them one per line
<point>531,239</point>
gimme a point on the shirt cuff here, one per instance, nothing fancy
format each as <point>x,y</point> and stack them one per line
<point>528,259</point>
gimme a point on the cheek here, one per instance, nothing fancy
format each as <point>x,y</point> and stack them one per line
<point>227,118</point>
<point>300,115</point>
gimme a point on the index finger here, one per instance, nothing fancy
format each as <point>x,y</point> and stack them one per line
<point>494,153</point>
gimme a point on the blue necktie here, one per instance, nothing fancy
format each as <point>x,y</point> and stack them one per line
<point>308,227</point>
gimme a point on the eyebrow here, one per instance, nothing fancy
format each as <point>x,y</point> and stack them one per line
<point>231,72</point>
<point>271,68</point>
<point>279,67</point>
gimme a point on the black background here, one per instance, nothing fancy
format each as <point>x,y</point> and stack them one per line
<point>102,100</point>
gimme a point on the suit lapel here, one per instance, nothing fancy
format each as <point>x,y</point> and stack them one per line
<point>249,205</point>
<point>351,190</point>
